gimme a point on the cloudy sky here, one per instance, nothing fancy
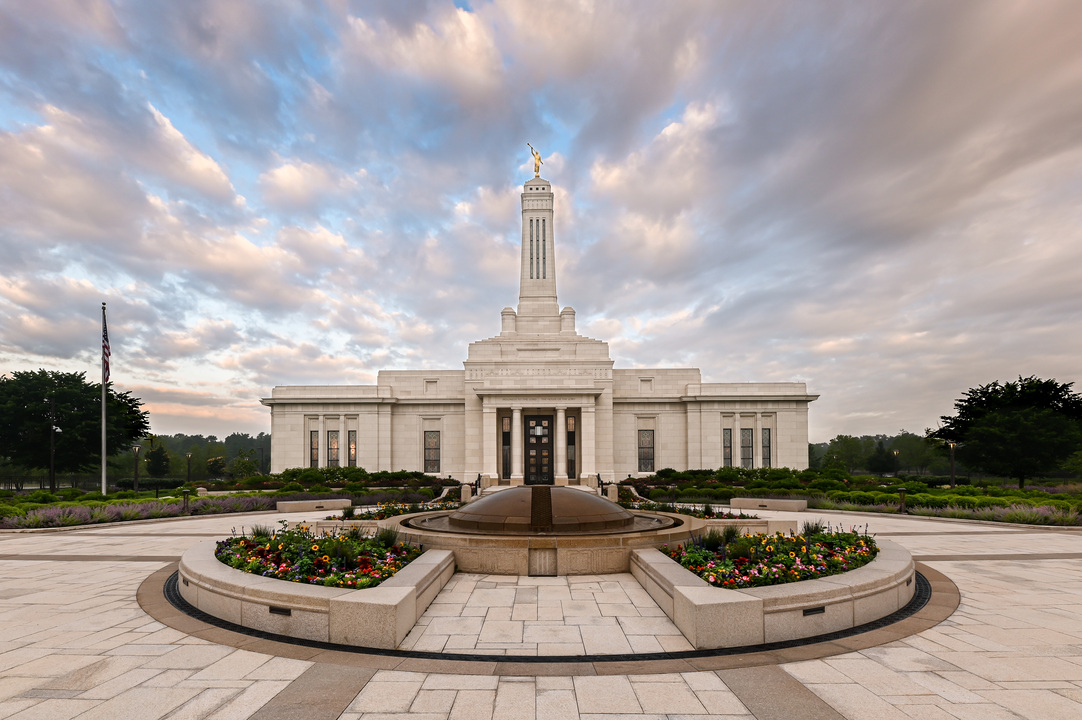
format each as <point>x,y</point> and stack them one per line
<point>881,199</point>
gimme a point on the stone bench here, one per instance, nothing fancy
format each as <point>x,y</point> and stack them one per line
<point>378,617</point>
<point>288,506</point>
<point>768,504</point>
<point>711,617</point>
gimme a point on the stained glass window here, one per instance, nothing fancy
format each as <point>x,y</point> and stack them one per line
<point>747,439</point>
<point>646,450</point>
<point>432,451</point>
<point>332,448</point>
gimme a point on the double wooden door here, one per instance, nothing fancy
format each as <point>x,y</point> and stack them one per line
<point>539,450</point>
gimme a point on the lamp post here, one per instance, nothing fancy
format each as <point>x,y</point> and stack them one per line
<point>261,461</point>
<point>895,463</point>
<point>135,484</point>
<point>53,430</point>
<point>189,480</point>
<point>952,462</point>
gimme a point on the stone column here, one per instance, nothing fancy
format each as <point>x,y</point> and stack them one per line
<point>516,445</point>
<point>738,458</point>
<point>489,443</point>
<point>322,440</point>
<point>757,441</point>
<point>561,446</point>
<point>589,446</point>
<point>383,437</point>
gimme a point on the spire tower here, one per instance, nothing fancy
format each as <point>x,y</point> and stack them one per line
<point>538,310</point>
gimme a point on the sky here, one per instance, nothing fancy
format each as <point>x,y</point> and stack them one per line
<point>880,199</point>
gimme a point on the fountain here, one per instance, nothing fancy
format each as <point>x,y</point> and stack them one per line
<point>543,530</point>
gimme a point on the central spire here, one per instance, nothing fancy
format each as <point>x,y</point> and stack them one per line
<point>538,311</point>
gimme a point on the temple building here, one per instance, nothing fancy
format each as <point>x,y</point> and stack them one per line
<point>540,403</point>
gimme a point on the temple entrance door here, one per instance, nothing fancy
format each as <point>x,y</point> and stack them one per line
<point>540,450</point>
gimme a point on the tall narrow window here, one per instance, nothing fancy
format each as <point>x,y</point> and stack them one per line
<point>531,249</point>
<point>332,448</point>
<point>646,450</point>
<point>544,265</point>
<point>766,447</point>
<point>571,447</point>
<point>505,444</point>
<point>432,451</point>
<point>727,447</point>
<point>747,440</point>
<point>313,448</point>
<point>352,448</point>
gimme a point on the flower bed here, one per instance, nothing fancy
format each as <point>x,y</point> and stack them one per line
<point>707,512</point>
<point>348,560</point>
<point>758,560</point>
<point>393,509</point>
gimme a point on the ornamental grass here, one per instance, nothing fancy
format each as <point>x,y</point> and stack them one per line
<point>758,560</point>
<point>348,560</point>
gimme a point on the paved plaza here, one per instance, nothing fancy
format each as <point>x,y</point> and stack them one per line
<point>86,633</point>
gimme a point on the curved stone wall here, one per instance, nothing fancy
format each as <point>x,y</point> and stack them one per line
<point>378,617</point>
<point>712,617</point>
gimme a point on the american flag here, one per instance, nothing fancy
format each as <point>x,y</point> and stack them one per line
<point>104,347</point>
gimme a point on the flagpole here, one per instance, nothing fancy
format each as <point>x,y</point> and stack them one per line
<point>105,352</point>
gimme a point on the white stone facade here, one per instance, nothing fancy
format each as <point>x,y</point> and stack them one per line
<point>540,403</point>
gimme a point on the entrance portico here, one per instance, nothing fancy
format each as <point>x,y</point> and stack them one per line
<point>538,440</point>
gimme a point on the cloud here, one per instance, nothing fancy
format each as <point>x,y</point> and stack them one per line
<point>881,200</point>
<point>297,186</point>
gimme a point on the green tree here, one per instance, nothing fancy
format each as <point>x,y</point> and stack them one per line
<point>847,450</point>
<point>914,451</point>
<point>242,466</point>
<point>1020,429</point>
<point>881,461</point>
<point>215,467</point>
<point>157,460</point>
<point>1073,464</point>
<point>51,419</point>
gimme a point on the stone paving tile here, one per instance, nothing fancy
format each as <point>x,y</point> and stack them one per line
<point>1013,648</point>
<point>606,694</point>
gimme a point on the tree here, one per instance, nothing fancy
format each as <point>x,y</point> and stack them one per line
<point>1074,464</point>
<point>881,461</point>
<point>51,419</point>
<point>1019,429</point>
<point>242,466</point>
<point>848,450</point>
<point>216,466</point>
<point>157,459</point>
<point>914,451</point>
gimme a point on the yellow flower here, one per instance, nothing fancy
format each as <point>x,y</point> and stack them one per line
<point>792,554</point>
<point>326,559</point>
<point>279,546</point>
<point>770,548</point>
<point>315,548</point>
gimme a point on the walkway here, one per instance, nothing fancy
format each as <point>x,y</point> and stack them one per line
<point>75,642</point>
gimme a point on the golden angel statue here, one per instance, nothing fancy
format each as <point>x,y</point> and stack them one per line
<point>537,162</point>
